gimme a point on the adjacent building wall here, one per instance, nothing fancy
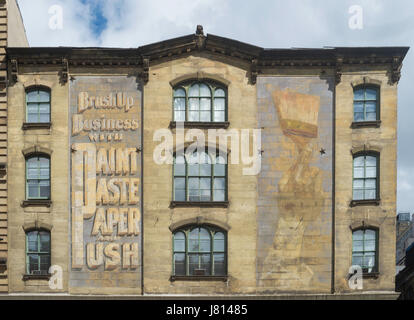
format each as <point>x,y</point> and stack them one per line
<point>17,33</point>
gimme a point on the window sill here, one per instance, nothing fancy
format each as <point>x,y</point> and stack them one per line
<point>203,204</point>
<point>37,125</point>
<point>357,203</point>
<point>371,275</point>
<point>199,278</point>
<point>36,277</point>
<point>202,125</point>
<point>366,124</point>
<point>36,203</point>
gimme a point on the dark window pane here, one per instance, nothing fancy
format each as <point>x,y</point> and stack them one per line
<point>33,192</point>
<point>370,94</point>
<point>45,191</point>
<point>193,116</point>
<point>359,161</point>
<point>219,242</point>
<point>32,96</point>
<point>193,263</point>
<point>205,264</point>
<point>219,264</point>
<point>358,107</point>
<point>205,170</point>
<point>194,104</point>
<point>205,116</point>
<point>205,104</point>
<point>44,96</point>
<point>358,195</point>
<point>359,94</point>
<point>219,93</point>
<point>31,118</point>
<point>179,104</point>
<point>219,116</point>
<point>179,115</point>
<point>179,195</point>
<point>371,116</point>
<point>179,241</point>
<point>179,93</point>
<point>359,116</point>
<point>204,90</point>
<point>179,264</point>
<point>194,90</point>
<point>205,240</point>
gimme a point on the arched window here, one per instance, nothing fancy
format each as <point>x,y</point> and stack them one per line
<point>38,105</point>
<point>366,103</point>
<point>37,252</point>
<point>37,177</point>
<point>198,179</point>
<point>366,176</point>
<point>200,102</point>
<point>199,251</point>
<point>365,249</point>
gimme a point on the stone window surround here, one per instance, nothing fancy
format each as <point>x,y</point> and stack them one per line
<point>30,85</point>
<point>363,225</point>
<point>31,226</point>
<point>367,81</point>
<point>200,221</point>
<point>37,150</point>
<point>361,149</point>
<point>200,204</point>
<point>202,76</point>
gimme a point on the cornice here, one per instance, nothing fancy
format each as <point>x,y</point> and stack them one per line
<point>254,59</point>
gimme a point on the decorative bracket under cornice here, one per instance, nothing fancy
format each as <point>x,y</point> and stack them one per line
<point>14,70</point>
<point>338,70</point>
<point>253,71</point>
<point>395,74</point>
<point>145,69</point>
<point>64,72</point>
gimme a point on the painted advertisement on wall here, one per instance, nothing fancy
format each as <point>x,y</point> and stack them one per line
<point>295,183</point>
<point>105,133</point>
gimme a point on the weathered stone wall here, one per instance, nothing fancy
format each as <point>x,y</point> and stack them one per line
<point>240,216</point>
<point>105,235</point>
<point>383,140</point>
<point>53,140</point>
<point>279,222</point>
<point>294,208</point>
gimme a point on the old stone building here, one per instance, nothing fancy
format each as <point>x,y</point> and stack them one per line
<point>12,34</point>
<point>109,195</point>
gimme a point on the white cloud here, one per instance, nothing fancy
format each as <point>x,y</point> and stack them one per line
<point>76,20</point>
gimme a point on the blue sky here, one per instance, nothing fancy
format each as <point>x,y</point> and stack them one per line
<point>266,23</point>
<point>98,21</point>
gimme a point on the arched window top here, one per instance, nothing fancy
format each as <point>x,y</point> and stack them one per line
<point>179,92</point>
<point>200,101</point>
<point>38,95</point>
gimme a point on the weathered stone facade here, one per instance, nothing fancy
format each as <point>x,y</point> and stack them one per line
<point>12,33</point>
<point>289,227</point>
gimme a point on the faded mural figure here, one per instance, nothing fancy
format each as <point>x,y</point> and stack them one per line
<point>300,189</point>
